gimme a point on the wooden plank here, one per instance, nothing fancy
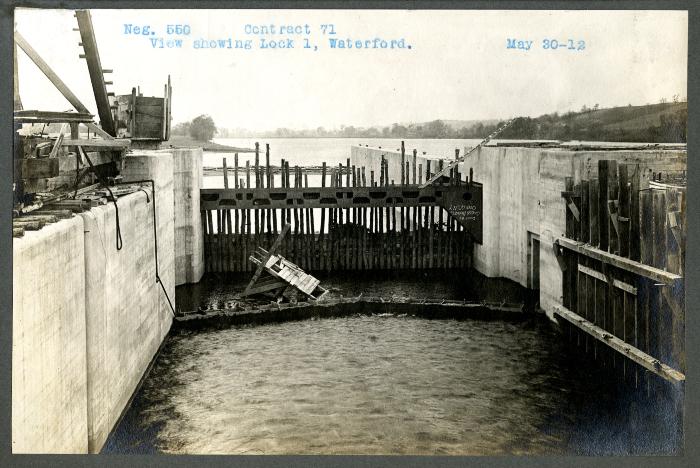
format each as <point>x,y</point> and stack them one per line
<point>623,214</point>
<point>613,244</point>
<point>592,273</point>
<point>648,362</point>
<point>659,228</point>
<point>569,275</point>
<point>210,238</point>
<point>114,143</point>
<point>27,225</point>
<point>148,101</point>
<point>634,234</point>
<point>37,168</point>
<point>619,262</point>
<point>584,231</point>
<point>267,287</point>
<point>646,228</point>
<point>673,229</point>
<point>261,266</point>
<point>37,116</point>
<point>60,214</point>
<point>603,183</point>
<point>98,130</point>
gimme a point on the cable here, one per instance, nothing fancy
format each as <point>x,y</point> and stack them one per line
<point>155,233</point>
<point>114,199</point>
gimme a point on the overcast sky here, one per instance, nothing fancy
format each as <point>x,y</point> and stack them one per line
<point>458,66</point>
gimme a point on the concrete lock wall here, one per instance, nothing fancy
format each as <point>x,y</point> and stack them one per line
<point>522,198</point>
<point>88,318</point>
<point>127,313</point>
<point>189,243</point>
<point>49,394</point>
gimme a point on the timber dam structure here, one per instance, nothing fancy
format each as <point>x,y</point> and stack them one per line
<point>110,219</point>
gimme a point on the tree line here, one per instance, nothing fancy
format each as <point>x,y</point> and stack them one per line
<point>655,123</point>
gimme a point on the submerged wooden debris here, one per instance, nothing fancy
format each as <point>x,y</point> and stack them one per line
<point>284,278</point>
<point>245,312</point>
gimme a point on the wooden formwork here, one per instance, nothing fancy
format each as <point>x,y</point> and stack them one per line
<point>623,261</point>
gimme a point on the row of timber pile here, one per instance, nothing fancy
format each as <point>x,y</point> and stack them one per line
<point>343,238</point>
<point>624,264</point>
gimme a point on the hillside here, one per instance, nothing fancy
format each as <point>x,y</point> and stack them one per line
<point>654,123</point>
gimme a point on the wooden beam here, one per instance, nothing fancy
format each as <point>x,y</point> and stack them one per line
<point>92,57</point>
<point>115,143</point>
<point>619,262</point>
<point>263,261</point>
<point>599,276</point>
<point>36,116</point>
<point>15,80</point>
<point>95,128</point>
<point>261,288</point>
<point>648,362</point>
<point>50,74</point>
<point>58,142</point>
<point>39,168</point>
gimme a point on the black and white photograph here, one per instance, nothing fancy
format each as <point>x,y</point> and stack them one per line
<point>349,231</point>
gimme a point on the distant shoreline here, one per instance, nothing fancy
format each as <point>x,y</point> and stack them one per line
<point>187,142</point>
<point>342,138</point>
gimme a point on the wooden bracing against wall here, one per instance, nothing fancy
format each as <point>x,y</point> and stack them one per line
<point>623,261</point>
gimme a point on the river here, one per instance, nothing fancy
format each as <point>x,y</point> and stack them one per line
<point>314,151</point>
<point>383,384</point>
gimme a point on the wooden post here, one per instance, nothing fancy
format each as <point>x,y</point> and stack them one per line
<point>235,169</point>
<point>623,215</point>
<point>603,183</point>
<point>415,159</point>
<point>594,219</point>
<point>634,232</point>
<point>268,173</point>
<point>207,246</point>
<point>403,162</point>
<point>613,243</point>
<point>381,172</point>
<point>257,164</point>
<point>584,213</point>
<point>225,174</point>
